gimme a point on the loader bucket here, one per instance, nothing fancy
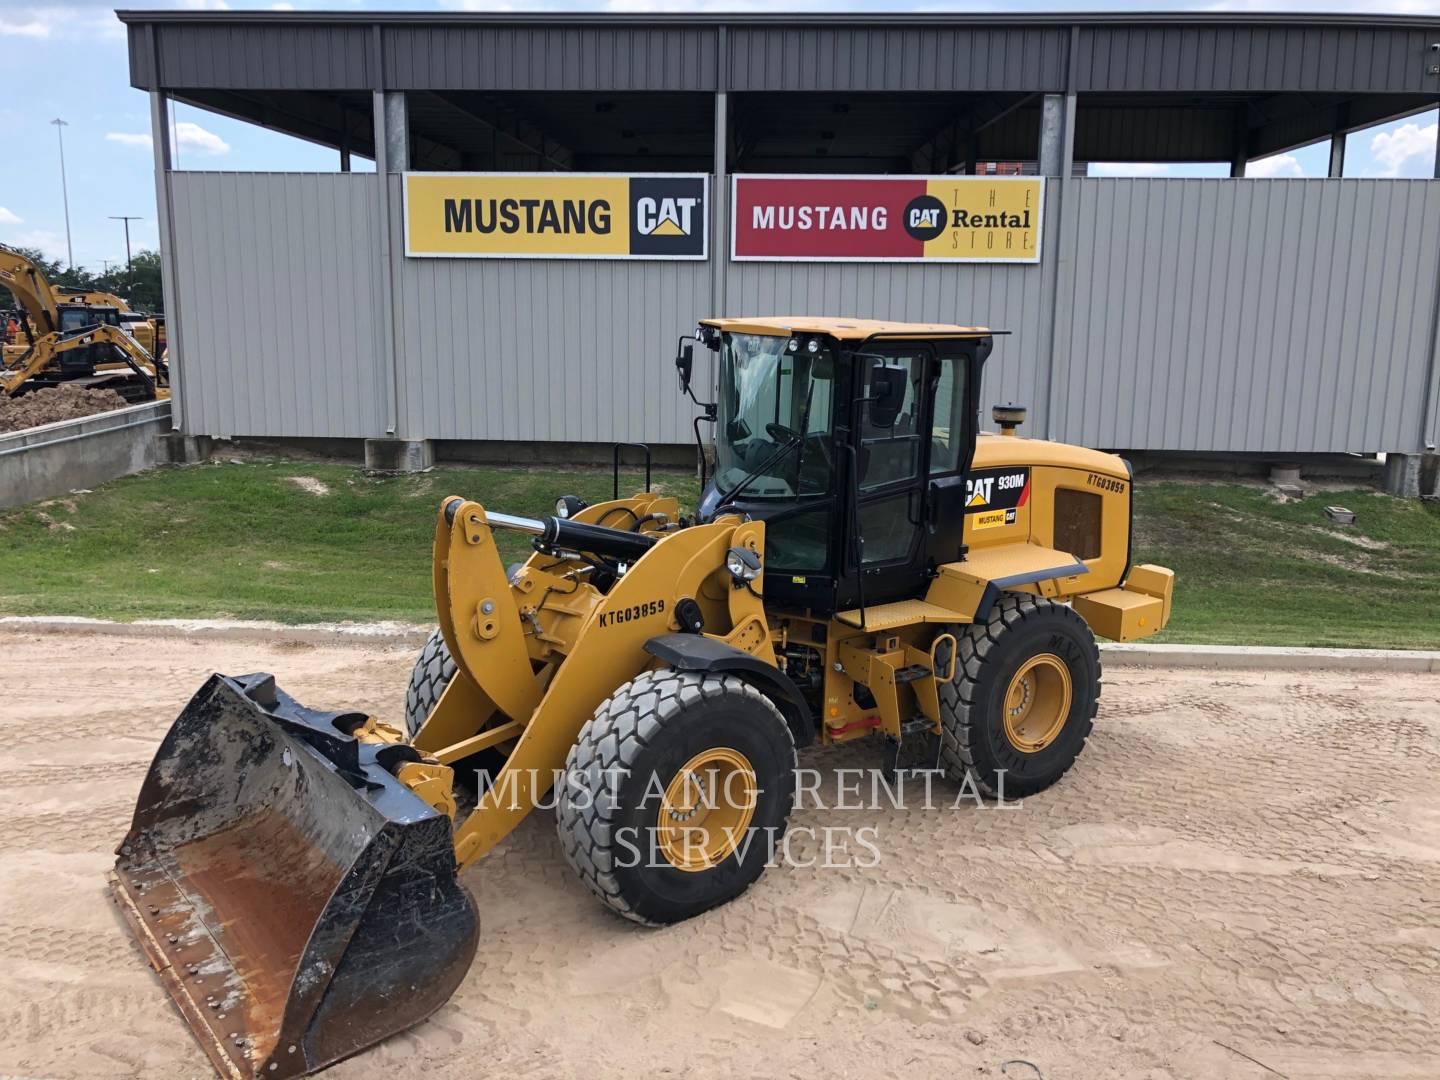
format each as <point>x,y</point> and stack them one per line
<point>298,901</point>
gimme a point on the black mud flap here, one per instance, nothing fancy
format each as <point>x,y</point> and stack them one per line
<point>298,901</point>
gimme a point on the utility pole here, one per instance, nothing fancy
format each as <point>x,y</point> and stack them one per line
<point>60,126</point>
<point>126,218</point>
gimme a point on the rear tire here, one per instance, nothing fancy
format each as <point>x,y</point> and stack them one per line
<point>433,670</point>
<point>676,793</point>
<point>1024,697</point>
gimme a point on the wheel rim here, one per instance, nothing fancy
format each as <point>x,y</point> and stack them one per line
<point>1037,703</point>
<point>706,809</point>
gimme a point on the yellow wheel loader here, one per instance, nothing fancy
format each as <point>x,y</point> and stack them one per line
<point>864,564</point>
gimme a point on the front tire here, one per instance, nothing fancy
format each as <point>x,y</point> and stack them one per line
<point>433,670</point>
<point>676,793</point>
<point>1023,700</point>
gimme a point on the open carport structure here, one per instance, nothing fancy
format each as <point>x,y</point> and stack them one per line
<point>1225,314</point>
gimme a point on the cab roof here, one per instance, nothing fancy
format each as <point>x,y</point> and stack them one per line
<point>844,329</point>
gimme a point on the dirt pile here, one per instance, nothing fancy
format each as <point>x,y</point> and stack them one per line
<point>50,406</point>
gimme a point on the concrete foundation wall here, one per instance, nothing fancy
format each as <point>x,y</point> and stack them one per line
<point>53,460</point>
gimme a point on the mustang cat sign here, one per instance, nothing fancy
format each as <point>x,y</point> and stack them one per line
<point>556,215</point>
<point>886,218</point>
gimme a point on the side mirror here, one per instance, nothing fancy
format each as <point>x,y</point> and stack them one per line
<point>685,364</point>
<point>887,394</point>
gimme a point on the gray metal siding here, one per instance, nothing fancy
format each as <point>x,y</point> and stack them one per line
<point>232,56</point>
<point>550,58</point>
<point>544,350</point>
<point>931,53</point>
<point>1282,316</point>
<point>1254,58</point>
<point>1251,315</point>
<point>279,299</point>
<point>871,58</point>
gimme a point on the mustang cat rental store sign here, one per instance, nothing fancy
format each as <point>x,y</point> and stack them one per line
<point>786,218</point>
<point>886,219</point>
<point>556,215</point>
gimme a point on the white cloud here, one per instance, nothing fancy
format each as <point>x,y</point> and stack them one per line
<point>1127,168</point>
<point>74,20</point>
<point>188,136</point>
<point>1278,165</point>
<point>194,137</point>
<point>50,242</point>
<point>1396,151</point>
<point>9,217</point>
<point>1387,7</point>
<point>32,28</point>
<point>126,138</point>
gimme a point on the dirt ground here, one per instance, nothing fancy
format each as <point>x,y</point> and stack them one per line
<point>55,404</point>
<point>1241,878</point>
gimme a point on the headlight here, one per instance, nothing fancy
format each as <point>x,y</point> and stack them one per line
<point>813,346</point>
<point>794,345</point>
<point>743,564</point>
<point>567,506</point>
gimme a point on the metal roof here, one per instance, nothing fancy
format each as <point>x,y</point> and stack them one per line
<point>717,18</point>
<point>902,52</point>
<point>842,328</point>
<point>837,92</point>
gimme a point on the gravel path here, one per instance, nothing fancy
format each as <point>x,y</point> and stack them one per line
<point>1241,877</point>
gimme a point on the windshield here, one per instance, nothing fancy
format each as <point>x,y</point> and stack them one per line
<point>771,398</point>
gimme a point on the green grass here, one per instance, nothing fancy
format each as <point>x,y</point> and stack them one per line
<point>246,541</point>
<point>1252,570</point>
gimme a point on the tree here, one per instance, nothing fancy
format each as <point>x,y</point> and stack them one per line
<point>75,276</point>
<point>140,285</point>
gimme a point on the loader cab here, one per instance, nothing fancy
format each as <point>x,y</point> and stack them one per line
<point>851,440</point>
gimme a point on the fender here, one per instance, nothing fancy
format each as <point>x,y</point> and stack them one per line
<point>708,655</point>
<point>972,587</point>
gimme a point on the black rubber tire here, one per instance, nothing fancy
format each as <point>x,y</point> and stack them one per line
<point>649,727</point>
<point>433,670</point>
<point>972,727</point>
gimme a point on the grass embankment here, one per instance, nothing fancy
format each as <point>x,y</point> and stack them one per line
<point>286,540</point>
<point>1250,569</point>
<point>305,542</point>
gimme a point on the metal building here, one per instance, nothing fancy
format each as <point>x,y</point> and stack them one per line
<point>1278,316</point>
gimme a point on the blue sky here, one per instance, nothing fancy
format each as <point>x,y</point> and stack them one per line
<point>68,60</point>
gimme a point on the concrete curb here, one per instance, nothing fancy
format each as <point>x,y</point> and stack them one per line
<point>1270,658</point>
<point>1234,657</point>
<point>381,633</point>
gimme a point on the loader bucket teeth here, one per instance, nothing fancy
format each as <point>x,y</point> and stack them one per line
<point>299,902</point>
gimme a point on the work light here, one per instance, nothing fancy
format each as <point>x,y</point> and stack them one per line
<point>743,564</point>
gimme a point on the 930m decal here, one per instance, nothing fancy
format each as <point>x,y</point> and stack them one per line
<point>997,489</point>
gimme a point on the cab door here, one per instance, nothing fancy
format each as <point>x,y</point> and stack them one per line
<point>952,445</point>
<point>891,442</point>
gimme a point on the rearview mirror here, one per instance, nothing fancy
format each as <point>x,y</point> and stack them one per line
<point>887,394</point>
<point>685,364</point>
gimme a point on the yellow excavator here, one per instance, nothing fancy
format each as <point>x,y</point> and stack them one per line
<point>864,566</point>
<point>142,327</point>
<point>68,340</point>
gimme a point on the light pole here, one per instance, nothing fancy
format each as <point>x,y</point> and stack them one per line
<point>126,218</point>
<point>60,126</point>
